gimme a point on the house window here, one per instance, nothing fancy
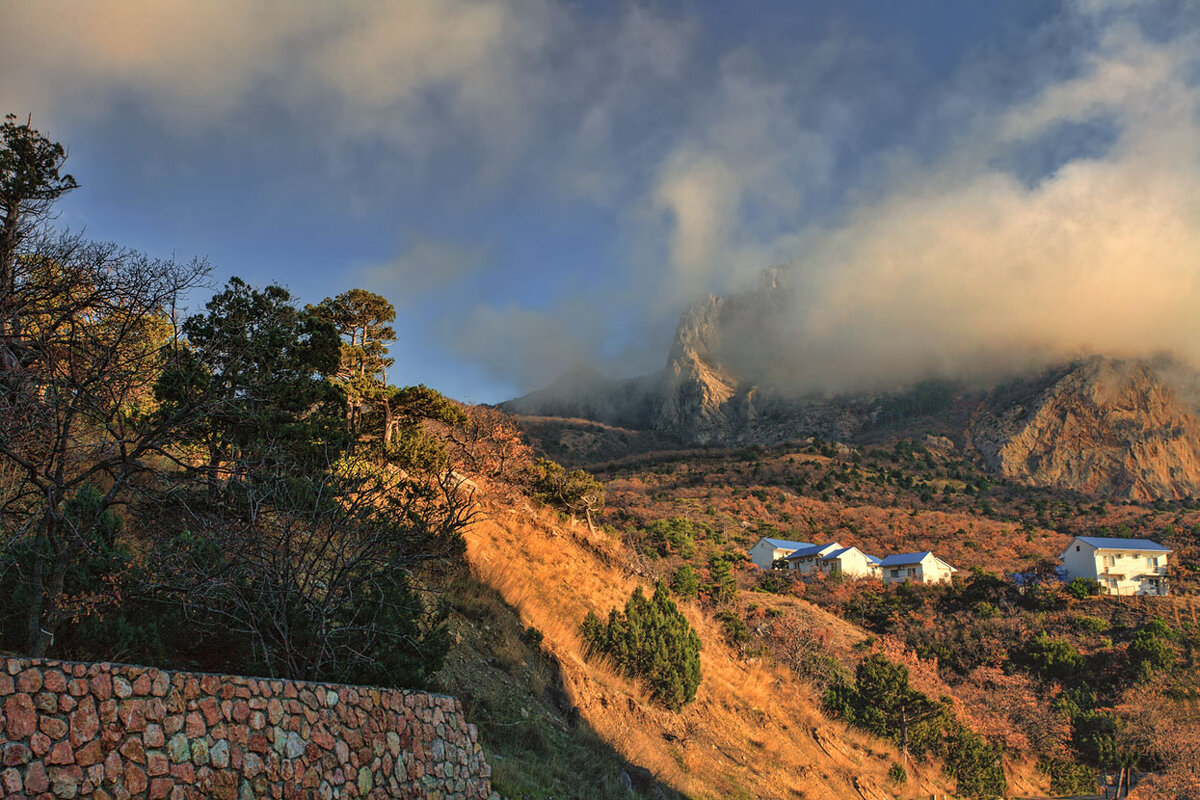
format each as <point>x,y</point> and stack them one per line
<point>1112,583</point>
<point>1076,548</point>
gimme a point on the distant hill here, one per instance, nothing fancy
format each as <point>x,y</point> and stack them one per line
<point>1113,427</point>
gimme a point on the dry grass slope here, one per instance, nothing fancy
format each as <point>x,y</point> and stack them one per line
<point>751,732</point>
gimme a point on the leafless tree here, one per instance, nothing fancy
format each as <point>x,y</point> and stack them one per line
<point>77,403</point>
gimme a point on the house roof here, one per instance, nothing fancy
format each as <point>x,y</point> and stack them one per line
<point>786,543</point>
<point>812,550</point>
<point>838,553</point>
<point>900,559</point>
<point>876,560</point>
<point>1109,543</point>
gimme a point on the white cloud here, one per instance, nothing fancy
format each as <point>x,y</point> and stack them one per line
<point>425,266</point>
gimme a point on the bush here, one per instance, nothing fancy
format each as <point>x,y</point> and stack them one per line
<point>1050,659</point>
<point>652,641</point>
<point>686,583</point>
<point>881,702</point>
<point>976,766</point>
<point>1067,777</point>
<point>1151,650</point>
<point>897,775</point>
<point>1080,588</point>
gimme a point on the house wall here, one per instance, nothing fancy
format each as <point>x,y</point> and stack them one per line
<point>900,574</point>
<point>854,564</point>
<point>1080,563</point>
<point>764,554</point>
<point>935,571</point>
<point>1126,574</point>
<point>108,731</point>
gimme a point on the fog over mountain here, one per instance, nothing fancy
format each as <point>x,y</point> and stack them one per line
<point>1060,223</point>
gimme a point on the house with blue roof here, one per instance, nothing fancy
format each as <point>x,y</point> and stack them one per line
<point>766,552</point>
<point>1121,566</point>
<point>922,567</point>
<point>833,559</point>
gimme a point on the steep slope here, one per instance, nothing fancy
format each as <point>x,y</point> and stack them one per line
<point>751,732</point>
<point>1101,426</point>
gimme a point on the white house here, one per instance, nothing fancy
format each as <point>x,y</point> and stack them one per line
<point>852,562</point>
<point>833,559</point>
<point>808,560</point>
<point>922,567</point>
<point>766,552</point>
<point>1122,566</point>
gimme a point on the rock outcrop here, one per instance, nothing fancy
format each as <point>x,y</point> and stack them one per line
<point>1101,426</point>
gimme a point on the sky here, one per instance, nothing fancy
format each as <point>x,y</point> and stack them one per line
<point>539,184</point>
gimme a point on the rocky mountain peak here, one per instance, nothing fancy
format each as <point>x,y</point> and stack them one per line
<point>1099,426</point>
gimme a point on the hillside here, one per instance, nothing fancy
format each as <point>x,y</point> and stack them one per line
<point>752,731</point>
<point>986,635</point>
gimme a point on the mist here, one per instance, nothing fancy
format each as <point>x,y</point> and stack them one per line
<point>1061,225</point>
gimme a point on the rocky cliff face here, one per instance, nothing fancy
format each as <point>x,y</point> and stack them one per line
<point>1101,426</point>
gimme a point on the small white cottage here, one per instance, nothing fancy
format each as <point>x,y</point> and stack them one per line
<point>807,560</point>
<point>833,559</point>
<point>766,552</point>
<point>1122,566</point>
<point>923,567</point>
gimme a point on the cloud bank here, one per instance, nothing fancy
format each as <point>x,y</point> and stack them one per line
<point>1037,199</point>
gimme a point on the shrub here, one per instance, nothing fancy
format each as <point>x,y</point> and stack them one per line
<point>686,582</point>
<point>1068,777</point>
<point>676,534</point>
<point>1151,650</point>
<point>1050,659</point>
<point>897,775</point>
<point>881,702</point>
<point>651,641</point>
<point>976,766</point>
<point>1080,588</point>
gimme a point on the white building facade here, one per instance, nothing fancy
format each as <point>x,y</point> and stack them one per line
<point>766,552</point>
<point>923,567</point>
<point>833,559</point>
<point>1121,566</point>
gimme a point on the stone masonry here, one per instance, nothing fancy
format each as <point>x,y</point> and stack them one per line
<point>113,732</point>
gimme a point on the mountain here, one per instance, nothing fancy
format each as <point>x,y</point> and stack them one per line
<point>1119,428</point>
<point>1099,426</point>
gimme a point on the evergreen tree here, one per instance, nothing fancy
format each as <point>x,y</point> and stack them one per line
<point>651,641</point>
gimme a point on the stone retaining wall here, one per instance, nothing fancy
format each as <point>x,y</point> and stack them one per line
<point>113,731</point>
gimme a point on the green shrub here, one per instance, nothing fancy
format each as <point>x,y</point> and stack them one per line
<point>674,535</point>
<point>881,702</point>
<point>897,775</point>
<point>1050,659</point>
<point>1068,777</point>
<point>651,641</point>
<point>1151,650</point>
<point>976,766</point>
<point>1091,624</point>
<point>686,583</point>
<point>1080,588</point>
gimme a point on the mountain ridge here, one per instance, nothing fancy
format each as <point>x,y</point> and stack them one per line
<point>1119,427</point>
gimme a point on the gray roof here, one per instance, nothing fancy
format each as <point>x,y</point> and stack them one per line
<point>1109,543</point>
<point>786,543</point>
<point>900,559</point>
<point>811,550</point>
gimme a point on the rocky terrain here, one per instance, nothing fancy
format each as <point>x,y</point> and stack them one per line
<point>1121,428</point>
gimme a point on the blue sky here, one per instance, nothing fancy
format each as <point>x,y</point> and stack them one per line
<point>535,184</point>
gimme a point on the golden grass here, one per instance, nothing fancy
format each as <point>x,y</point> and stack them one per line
<point>753,730</point>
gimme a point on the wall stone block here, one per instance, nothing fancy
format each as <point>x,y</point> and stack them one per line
<point>118,732</point>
